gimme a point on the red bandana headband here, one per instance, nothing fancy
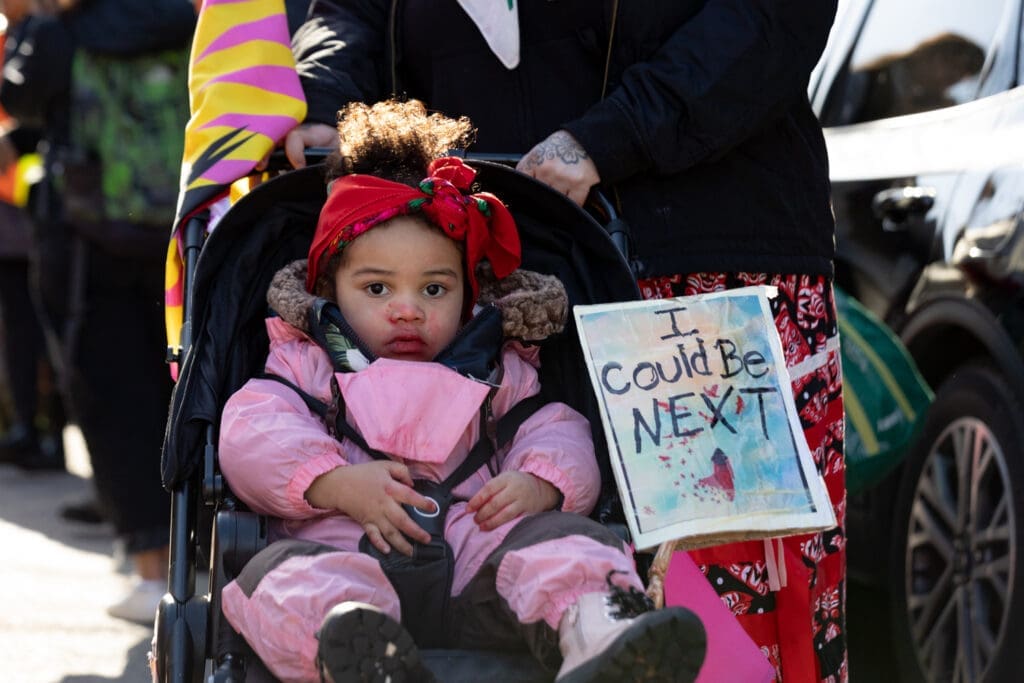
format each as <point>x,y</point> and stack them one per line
<point>357,203</point>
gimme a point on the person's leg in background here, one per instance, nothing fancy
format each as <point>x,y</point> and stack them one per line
<point>22,339</point>
<point>120,390</point>
<point>24,358</point>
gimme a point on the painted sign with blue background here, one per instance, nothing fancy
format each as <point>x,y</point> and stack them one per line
<point>699,416</point>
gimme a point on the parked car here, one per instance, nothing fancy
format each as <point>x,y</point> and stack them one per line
<point>924,119</point>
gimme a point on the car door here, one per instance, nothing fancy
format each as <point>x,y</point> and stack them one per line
<point>897,96</point>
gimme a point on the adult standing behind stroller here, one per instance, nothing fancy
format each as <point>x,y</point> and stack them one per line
<point>101,239</point>
<point>694,115</point>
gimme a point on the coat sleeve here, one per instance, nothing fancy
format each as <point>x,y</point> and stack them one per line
<point>554,444</point>
<point>733,67</point>
<point>272,446</point>
<point>340,55</point>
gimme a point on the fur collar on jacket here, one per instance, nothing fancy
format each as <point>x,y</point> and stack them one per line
<point>533,306</point>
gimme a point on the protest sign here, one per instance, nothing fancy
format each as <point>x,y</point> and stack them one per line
<point>702,429</point>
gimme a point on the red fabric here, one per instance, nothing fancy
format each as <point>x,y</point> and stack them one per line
<point>357,203</point>
<point>796,642</point>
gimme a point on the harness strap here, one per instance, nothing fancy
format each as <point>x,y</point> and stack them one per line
<point>329,413</point>
<point>477,457</point>
<point>509,423</point>
<point>506,428</point>
<point>312,402</point>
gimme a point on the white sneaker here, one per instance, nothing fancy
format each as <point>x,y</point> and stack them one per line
<point>141,601</point>
<point>612,637</point>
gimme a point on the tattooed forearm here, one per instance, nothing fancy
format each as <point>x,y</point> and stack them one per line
<point>559,145</point>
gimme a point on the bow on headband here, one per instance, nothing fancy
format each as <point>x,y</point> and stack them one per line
<point>356,203</point>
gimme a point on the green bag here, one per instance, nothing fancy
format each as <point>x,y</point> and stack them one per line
<point>884,395</point>
<point>127,138</point>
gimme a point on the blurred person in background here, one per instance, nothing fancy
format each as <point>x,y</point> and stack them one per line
<point>33,423</point>
<point>102,222</point>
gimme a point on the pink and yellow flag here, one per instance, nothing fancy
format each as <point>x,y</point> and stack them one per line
<point>244,96</point>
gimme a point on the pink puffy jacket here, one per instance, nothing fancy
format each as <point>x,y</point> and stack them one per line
<point>423,414</point>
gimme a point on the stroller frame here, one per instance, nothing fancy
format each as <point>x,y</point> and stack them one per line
<point>209,525</point>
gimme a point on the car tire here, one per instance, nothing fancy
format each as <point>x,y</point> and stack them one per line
<point>956,556</point>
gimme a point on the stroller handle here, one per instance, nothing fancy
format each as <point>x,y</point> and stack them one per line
<point>598,204</point>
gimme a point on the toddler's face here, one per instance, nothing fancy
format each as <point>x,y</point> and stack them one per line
<point>400,286</point>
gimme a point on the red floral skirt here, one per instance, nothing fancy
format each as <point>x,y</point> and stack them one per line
<point>801,627</point>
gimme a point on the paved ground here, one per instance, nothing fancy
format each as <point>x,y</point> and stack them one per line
<point>56,579</point>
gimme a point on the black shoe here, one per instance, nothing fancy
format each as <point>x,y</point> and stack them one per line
<point>87,512</point>
<point>23,448</point>
<point>18,443</point>
<point>361,644</point>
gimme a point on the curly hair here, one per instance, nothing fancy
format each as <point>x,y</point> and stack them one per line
<point>395,140</point>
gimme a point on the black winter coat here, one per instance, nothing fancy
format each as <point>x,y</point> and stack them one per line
<point>706,132</point>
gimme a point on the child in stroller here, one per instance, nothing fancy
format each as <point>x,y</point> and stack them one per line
<point>410,518</point>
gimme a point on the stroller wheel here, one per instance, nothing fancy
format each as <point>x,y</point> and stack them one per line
<point>361,644</point>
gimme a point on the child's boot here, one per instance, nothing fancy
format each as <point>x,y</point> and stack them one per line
<point>361,644</point>
<point>617,636</point>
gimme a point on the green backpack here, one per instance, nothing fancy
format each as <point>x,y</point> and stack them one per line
<point>127,137</point>
<point>884,395</point>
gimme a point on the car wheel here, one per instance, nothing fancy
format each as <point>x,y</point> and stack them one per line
<point>956,582</point>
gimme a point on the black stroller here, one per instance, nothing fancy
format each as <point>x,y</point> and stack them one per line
<point>225,343</point>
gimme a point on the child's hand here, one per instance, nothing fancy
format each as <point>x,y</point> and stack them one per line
<point>509,495</point>
<point>372,493</point>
